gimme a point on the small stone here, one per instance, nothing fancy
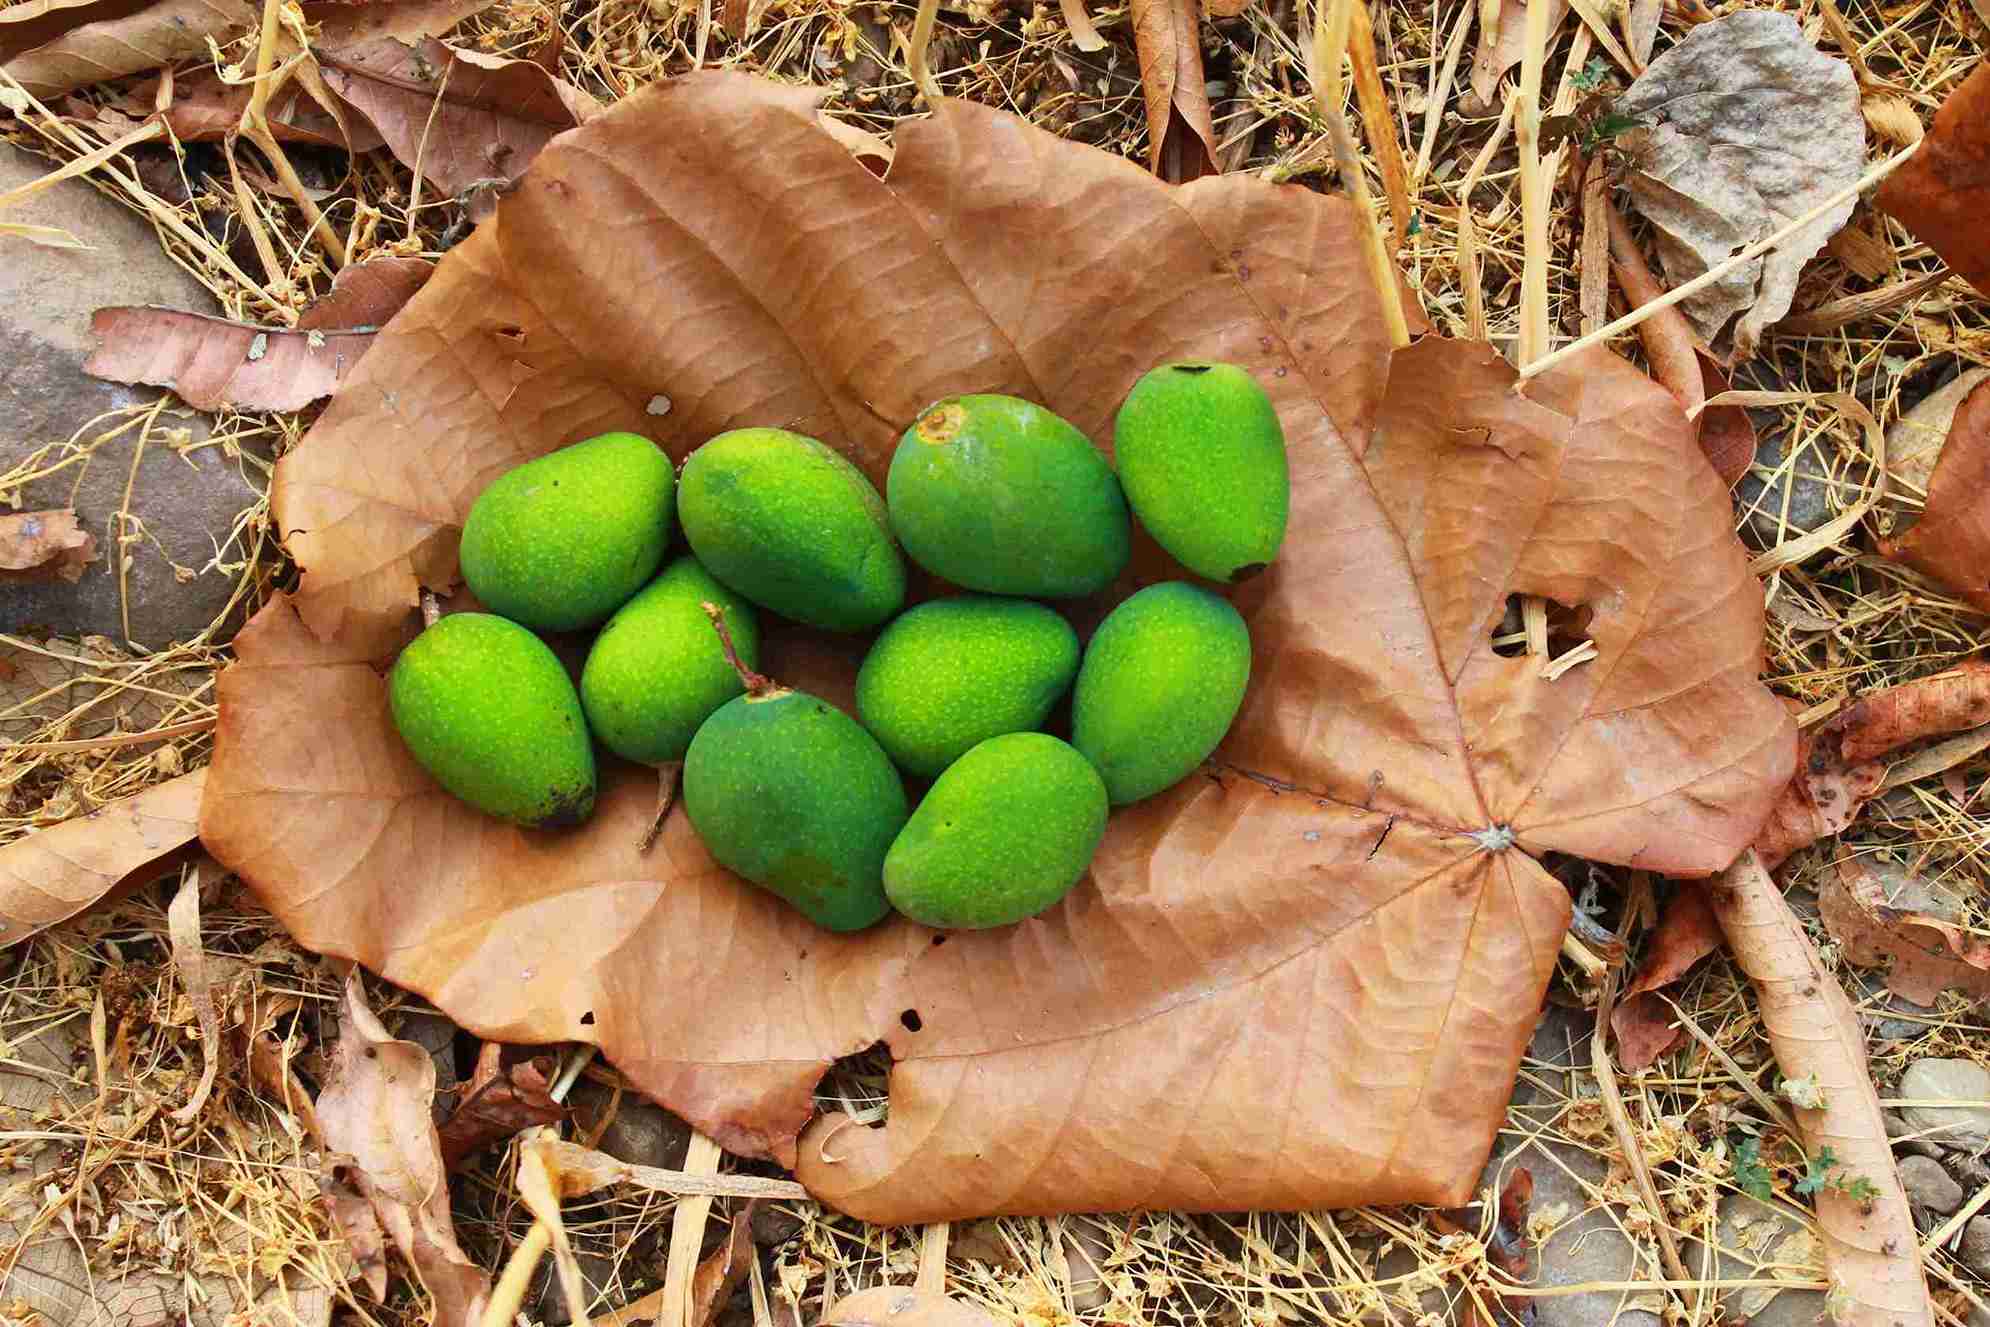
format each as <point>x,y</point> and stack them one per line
<point>184,500</point>
<point>1928,1186</point>
<point>1758,1241</point>
<point>1966,1125</point>
<point>436,1035</point>
<point>1769,484</point>
<point>1586,1243</point>
<point>1975,1250</point>
<point>642,1132</point>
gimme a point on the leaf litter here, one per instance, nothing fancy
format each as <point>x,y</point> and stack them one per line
<point>1884,627</point>
<point>1090,1006</point>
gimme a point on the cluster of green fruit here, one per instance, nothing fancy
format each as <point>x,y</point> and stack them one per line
<point>996,495</point>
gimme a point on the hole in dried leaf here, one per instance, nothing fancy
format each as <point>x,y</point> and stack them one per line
<point>587,1019</point>
<point>1564,629</point>
<point>910,1018</point>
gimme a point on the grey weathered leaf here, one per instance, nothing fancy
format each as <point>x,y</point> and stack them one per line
<point>1743,127</point>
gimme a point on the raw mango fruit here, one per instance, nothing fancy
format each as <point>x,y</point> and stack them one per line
<point>1202,460</point>
<point>794,527</point>
<point>791,793</point>
<point>1003,834</point>
<point>488,710</point>
<point>999,495</point>
<point>955,672</point>
<point>657,670</point>
<point>561,542</point>
<point>1161,681</point>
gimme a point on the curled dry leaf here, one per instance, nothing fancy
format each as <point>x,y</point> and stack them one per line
<point>463,115</point>
<point>205,110</point>
<point>1943,192</point>
<point>55,873</point>
<point>212,362</point>
<point>1871,1248</point>
<point>1840,765</point>
<point>364,296</point>
<point>147,37</point>
<point>1924,955</point>
<point>44,546</point>
<point>903,1306</point>
<point>1680,363</point>
<point>1951,541</point>
<point>31,23</point>
<point>1502,44</point>
<point>1181,138</point>
<point>1914,442</point>
<point>1302,978</point>
<point>499,1100</point>
<point>1685,934</point>
<point>1743,127</point>
<point>374,1114</point>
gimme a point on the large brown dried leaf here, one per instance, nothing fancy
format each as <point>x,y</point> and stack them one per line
<point>44,546</point>
<point>374,1114</point>
<point>212,362</point>
<point>1951,541</point>
<point>1744,127</point>
<point>128,43</point>
<point>1871,1247</point>
<point>55,873</point>
<point>494,116</point>
<point>1181,138</point>
<point>1942,194</point>
<point>1302,979</point>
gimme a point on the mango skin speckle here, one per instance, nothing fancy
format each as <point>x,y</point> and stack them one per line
<point>657,670</point>
<point>561,542</point>
<point>794,527</point>
<point>955,672</point>
<point>999,495</point>
<point>1003,834</point>
<point>1161,683</point>
<point>791,793</point>
<point>1202,459</point>
<point>489,711</point>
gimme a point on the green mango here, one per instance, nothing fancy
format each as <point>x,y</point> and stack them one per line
<point>657,670</point>
<point>1000,495</point>
<point>1161,682</point>
<point>794,527</point>
<point>954,672</point>
<point>489,710</point>
<point>791,793</point>
<point>1002,835</point>
<point>561,542</point>
<point>1202,459</point>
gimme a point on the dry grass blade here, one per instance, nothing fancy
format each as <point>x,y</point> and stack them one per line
<point>1378,120</point>
<point>1871,1247</point>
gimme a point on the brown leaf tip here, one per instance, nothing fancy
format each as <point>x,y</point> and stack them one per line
<point>941,424</point>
